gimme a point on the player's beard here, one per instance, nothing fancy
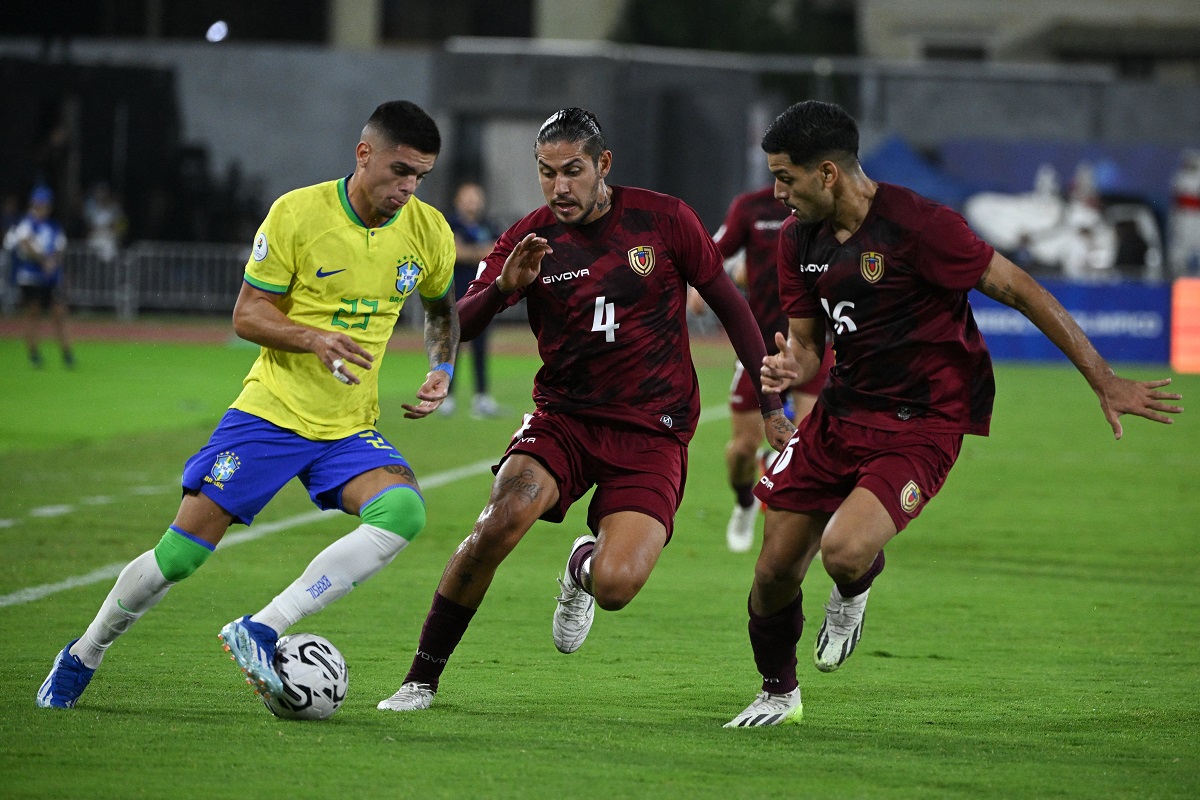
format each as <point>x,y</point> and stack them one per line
<point>586,211</point>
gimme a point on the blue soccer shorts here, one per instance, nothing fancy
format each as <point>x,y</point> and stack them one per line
<point>248,460</point>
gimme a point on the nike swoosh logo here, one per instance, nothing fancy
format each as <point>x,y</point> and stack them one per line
<point>323,274</point>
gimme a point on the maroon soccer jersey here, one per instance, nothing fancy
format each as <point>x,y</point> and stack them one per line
<point>908,351</point>
<point>753,222</point>
<point>609,310</point>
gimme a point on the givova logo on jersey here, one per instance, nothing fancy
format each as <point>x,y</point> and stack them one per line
<point>223,468</point>
<point>408,272</point>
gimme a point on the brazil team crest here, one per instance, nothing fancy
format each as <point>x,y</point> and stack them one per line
<point>641,259</point>
<point>408,270</point>
<point>223,468</point>
<point>910,497</point>
<point>872,267</point>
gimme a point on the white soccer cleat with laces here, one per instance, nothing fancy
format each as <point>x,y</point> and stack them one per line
<point>411,697</point>
<point>576,608</point>
<point>840,631</point>
<point>770,709</point>
<point>739,533</point>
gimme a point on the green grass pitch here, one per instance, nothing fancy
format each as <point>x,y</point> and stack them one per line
<point>1035,635</point>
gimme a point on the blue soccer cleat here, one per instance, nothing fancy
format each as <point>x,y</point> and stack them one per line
<point>66,681</point>
<point>251,645</point>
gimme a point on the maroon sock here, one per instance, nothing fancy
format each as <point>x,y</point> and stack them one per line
<point>444,627</point>
<point>577,558</point>
<point>860,585</point>
<point>745,495</point>
<point>773,640</point>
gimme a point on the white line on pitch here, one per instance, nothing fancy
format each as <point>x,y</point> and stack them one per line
<point>111,571</point>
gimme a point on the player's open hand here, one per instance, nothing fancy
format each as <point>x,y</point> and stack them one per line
<point>337,351</point>
<point>1124,396</point>
<point>431,394</point>
<point>778,371</point>
<point>523,264</point>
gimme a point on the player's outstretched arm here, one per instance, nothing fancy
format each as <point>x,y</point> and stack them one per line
<point>441,345</point>
<point>1007,283</point>
<point>257,318</point>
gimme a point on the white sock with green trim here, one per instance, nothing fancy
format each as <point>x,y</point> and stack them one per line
<point>332,574</point>
<point>138,589</point>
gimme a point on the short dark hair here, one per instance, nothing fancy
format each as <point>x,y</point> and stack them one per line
<point>402,122</point>
<point>811,131</point>
<point>573,125</point>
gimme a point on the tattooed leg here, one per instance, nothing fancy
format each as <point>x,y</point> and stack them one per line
<point>522,492</point>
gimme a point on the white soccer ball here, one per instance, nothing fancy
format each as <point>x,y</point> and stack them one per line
<point>314,678</point>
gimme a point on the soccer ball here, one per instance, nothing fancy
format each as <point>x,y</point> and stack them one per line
<point>314,678</point>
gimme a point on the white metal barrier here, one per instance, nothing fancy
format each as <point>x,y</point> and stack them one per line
<point>169,277</point>
<point>156,276</point>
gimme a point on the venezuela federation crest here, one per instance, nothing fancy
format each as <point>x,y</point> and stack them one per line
<point>641,259</point>
<point>872,267</point>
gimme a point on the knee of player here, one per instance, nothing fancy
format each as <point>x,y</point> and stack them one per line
<point>613,598</point>
<point>179,554</point>
<point>614,591</point>
<point>397,509</point>
<point>773,572</point>
<point>844,564</point>
<point>501,525</point>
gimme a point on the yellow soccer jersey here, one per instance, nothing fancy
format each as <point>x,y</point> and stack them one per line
<point>335,274</point>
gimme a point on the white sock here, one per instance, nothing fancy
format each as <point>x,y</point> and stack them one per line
<point>332,574</point>
<point>585,575</point>
<point>138,589</point>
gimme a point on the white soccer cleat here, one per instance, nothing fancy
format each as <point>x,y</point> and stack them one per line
<point>411,697</point>
<point>739,533</point>
<point>840,631</point>
<point>576,608</point>
<point>484,406</point>
<point>770,709</point>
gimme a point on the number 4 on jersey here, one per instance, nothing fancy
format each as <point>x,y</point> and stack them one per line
<point>605,319</point>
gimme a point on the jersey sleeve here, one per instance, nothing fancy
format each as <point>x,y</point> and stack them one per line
<point>489,268</point>
<point>951,255</point>
<point>272,263</point>
<point>794,296</point>
<point>440,277</point>
<point>734,231</point>
<point>696,255</point>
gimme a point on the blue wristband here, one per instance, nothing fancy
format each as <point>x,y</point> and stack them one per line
<point>446,368</point>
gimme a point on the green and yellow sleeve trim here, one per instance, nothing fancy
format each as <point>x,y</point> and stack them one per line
<point>273,288</point>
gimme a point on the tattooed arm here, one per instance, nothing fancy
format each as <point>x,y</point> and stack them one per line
<point>1007,283</point>
<point>441,345</point>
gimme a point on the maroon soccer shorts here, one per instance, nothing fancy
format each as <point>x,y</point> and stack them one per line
<point>741,391</point>
<point>632,469</point>
<point>829,457</point>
